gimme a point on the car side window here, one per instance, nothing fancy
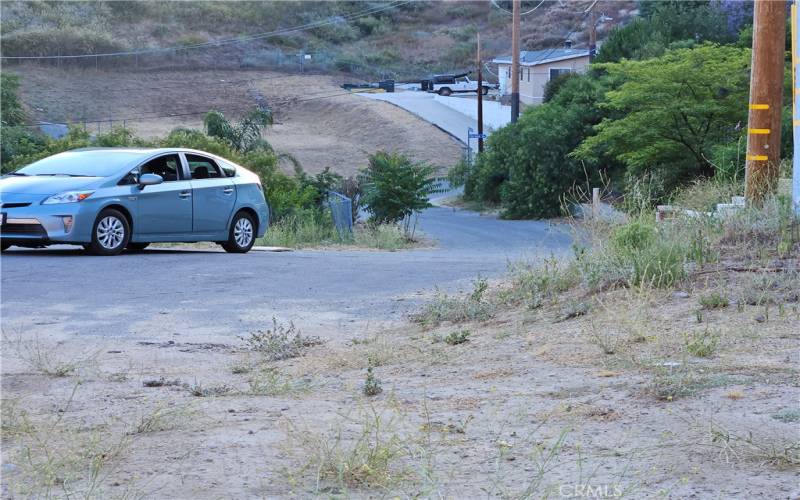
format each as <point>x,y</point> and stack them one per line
<point>131,177</point>
<point>227,169</point>
<point>201,167</point>
<point>166,166</point>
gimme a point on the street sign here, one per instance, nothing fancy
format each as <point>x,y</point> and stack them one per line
<point>477,136</point>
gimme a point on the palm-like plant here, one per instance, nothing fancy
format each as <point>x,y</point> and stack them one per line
<point>243,136</point>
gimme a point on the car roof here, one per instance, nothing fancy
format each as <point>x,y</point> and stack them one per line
<point>142,151</point>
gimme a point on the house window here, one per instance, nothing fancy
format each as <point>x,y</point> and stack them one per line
<point>529,74</point>
<point>556,72</point>
<point>521,74</point>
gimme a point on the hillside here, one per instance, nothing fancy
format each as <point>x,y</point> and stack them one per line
<point>399,39</point>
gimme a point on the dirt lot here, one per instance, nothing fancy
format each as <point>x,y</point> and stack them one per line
<point>529,403</point>
<point>315,120</point>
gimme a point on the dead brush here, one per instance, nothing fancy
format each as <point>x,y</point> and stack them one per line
<point>49,360</point>
<point>281,342</point>
<point>57,459</point>
<point>779,450</point>
<point>367,455</point>
<point>454,309</point>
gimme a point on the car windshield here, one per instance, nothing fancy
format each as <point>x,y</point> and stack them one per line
<point>83,163</point>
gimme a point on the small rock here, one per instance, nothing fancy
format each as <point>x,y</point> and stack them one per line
<point>760,318</point>
<point>680,295</point>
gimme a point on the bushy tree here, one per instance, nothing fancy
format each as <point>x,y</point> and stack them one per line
<point>670,111</point>
<point>11,111</point>
<point>395,187</point>
<point>527,166</point>
<point>663,23</point>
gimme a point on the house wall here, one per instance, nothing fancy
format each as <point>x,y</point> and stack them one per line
<point>534,78</point>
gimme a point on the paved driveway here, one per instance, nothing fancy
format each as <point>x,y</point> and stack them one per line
<point>164,293</point>
<point>426,107</point>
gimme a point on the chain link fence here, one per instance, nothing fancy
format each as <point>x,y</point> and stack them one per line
<point>341,208</point>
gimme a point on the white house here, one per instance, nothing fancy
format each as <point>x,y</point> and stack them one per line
<point>537,67</point>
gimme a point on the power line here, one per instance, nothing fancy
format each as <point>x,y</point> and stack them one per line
<point>218,43</point>
<point>494,2</point>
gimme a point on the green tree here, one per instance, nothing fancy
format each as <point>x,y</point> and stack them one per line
<point>671,111</point>
<point>527,166</point>
<point>395,188</point>
<point>11,111</point>
<point>242,136</point>
<point>662,25</point>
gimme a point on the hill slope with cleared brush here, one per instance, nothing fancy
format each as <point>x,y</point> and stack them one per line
<point>402,39</point>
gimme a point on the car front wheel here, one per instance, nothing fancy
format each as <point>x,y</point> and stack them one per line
<point>111,233</point>
<point>242,234</point>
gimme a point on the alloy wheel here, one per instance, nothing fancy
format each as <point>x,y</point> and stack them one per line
<point>243,232</point>
<point>110,232</point>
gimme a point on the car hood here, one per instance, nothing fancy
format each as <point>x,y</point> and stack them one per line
<point>44,184</point>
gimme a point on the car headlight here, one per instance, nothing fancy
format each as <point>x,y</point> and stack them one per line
<point>67,197</point>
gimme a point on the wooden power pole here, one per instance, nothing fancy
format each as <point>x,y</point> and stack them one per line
<point>766,99</point>
<point>480,97</point>
<point>592,32</point>
<point>515,62</point>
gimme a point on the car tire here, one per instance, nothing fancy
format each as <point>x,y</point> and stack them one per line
<point>110,234</point>
<point>445,92</point>
<point>137,247</point>
<point>242,234</point>
<point>485,90</point>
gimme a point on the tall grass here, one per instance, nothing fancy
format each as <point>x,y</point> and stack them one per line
<point>308,231</point>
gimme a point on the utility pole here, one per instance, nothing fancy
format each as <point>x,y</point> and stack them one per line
<point>480,97</point>
<point>592,32</point>
<point>515,62</point>
<point>766,99</point>
<point>795,111</point>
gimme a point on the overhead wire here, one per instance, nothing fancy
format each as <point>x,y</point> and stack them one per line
<point>217,43</point>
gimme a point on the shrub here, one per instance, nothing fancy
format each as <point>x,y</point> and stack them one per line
<point>702,344</point>
<point>458,337</point>
<point>280,342</point>
<point>395,188</point>
<point>527,166</point>
<point>11,111</point>
<point>714,300</point>
<point>455,309</point>
<point>372,386</point>
<point>670,112</point>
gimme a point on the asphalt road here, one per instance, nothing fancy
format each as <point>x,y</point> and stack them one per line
<point>169,293</point>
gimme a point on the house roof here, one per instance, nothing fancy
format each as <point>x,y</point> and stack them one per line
<point>536,57</point>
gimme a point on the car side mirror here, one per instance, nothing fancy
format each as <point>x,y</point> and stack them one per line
<point>149,180</point>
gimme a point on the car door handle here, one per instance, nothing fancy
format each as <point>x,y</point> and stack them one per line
<point>227,190</point>
<point>184,194</point>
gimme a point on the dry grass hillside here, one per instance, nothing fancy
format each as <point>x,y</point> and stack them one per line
<point>370,38</point>
<point>316,121</point>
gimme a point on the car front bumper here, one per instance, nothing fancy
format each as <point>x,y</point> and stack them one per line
<point>37,224</point>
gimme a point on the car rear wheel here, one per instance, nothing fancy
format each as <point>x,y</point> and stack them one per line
<point>110,234</point>
<point>242,234</point>
<point>137,247</point>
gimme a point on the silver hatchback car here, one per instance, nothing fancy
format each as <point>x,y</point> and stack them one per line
<point>110,199</point>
